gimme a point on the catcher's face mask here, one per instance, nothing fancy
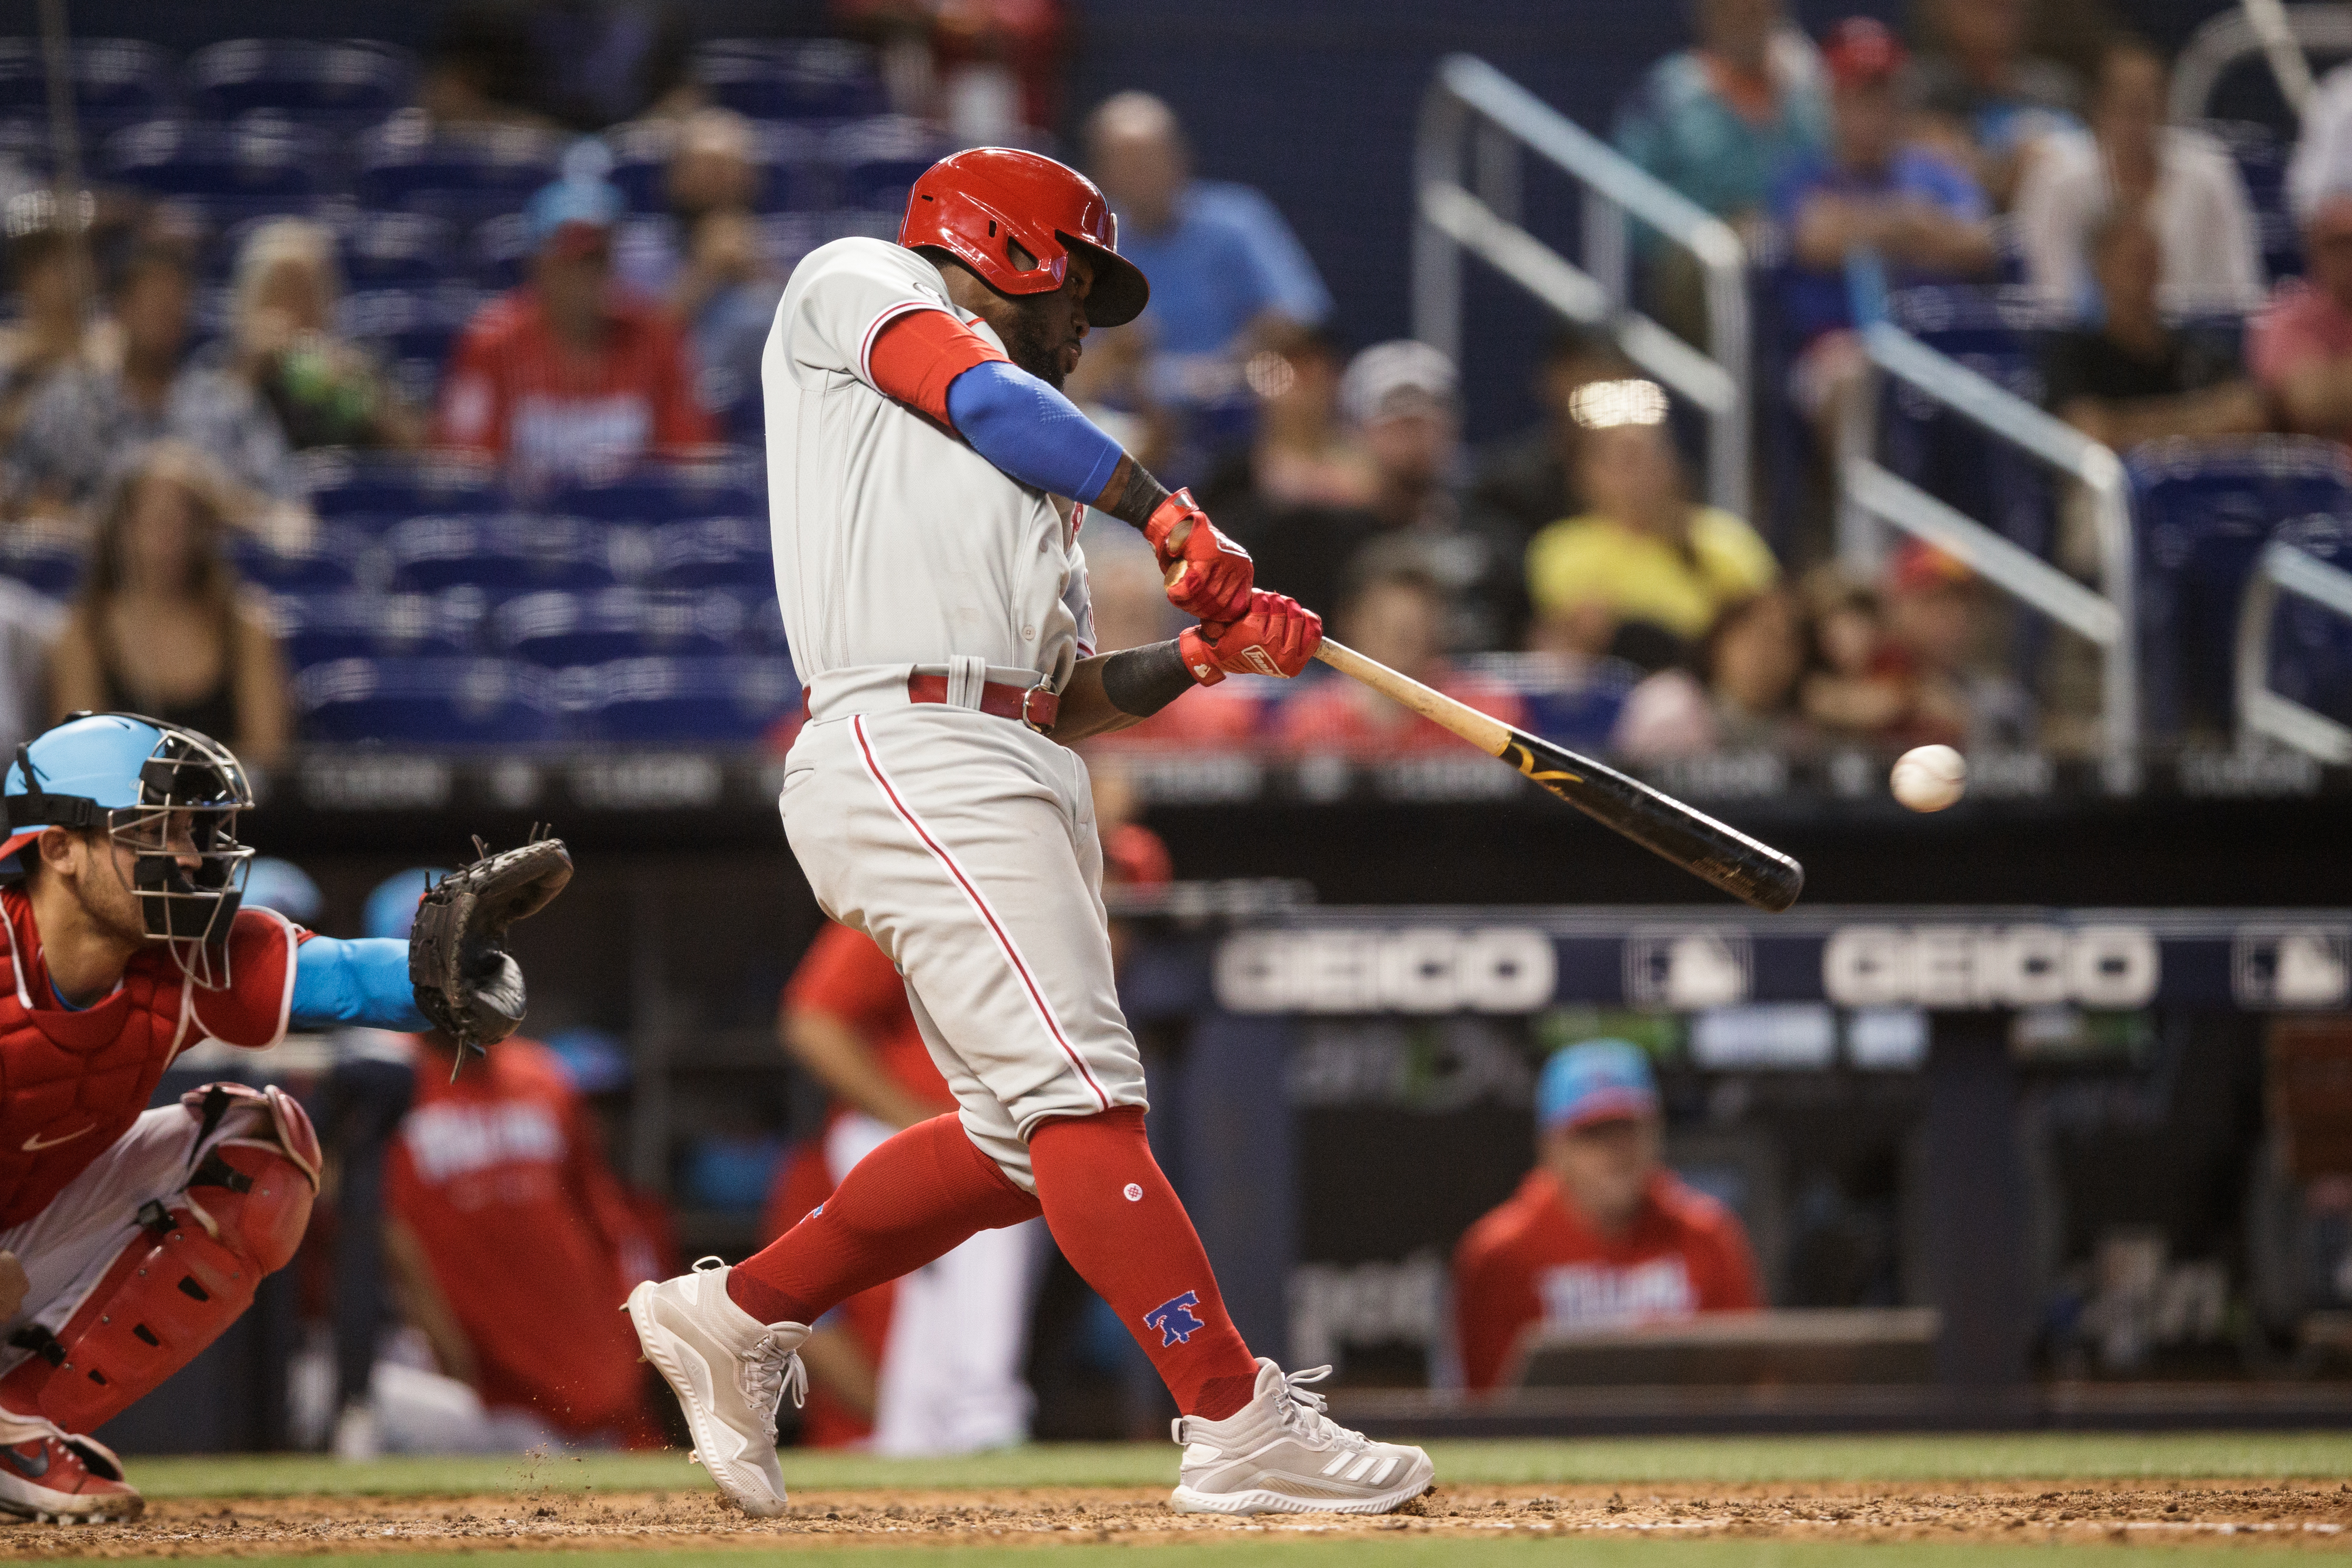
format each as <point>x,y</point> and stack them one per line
<point>187,870</point>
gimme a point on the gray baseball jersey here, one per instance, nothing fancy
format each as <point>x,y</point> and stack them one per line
<point>895,544</point>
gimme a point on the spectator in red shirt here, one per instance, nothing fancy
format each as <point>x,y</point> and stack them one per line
<point>1397,616</point>
<point>1601,1234</point>
<point>571,377</point>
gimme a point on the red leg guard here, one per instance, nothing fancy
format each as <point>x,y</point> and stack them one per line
<point>181,1281</point>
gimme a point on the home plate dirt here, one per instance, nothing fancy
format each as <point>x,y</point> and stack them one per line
<point>2302,1512</point>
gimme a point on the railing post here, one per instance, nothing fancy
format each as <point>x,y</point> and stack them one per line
<point>1725,270</point>
<point>2118,583</point>
<point>1437,258</point>
<point>1606,246</point>
<point>1861,547</point>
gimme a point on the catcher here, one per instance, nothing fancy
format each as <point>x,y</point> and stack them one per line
<point>128,1237</point>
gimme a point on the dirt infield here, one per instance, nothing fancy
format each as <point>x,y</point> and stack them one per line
<point>2299,1512</point>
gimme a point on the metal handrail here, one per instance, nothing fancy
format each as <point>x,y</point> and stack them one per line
<point>1476,115</point>
<point>1870,494</point>
<point>2233,34</point>
<point>2282,568</point>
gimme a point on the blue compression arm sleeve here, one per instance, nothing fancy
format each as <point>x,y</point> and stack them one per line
<point>1031,431</point>
<point>362,982</point>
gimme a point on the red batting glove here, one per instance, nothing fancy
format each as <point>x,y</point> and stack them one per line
<point>1207,574</point>
<point>1275,638</point>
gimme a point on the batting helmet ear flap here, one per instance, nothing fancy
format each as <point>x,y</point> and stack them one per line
<point>974,204</point>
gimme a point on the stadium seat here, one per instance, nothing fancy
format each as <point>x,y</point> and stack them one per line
<point>2311,648</point>
<point>349,83</point>
<point>560,630</point>
<point>413,330</point>
<point>464,177</point>
<point>2261,159</point>
<point>377,489</point>
<point>670,492</point>
<point>1996,333</point>
<point>787,154</point>
<point>504,556</point>
<point>44,556</point>
<point>789,79</point>
<point>677,701</point>
<point>333,558</point>
<point>317,628</point>
<point>430,703</point>
<point>117,82</point>
<point>717,552</point>
<point>264,163</point>
<point>400,250</point>
<point>881,159</point>
<point>2202,512</point>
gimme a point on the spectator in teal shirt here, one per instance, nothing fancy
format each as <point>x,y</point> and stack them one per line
<point>1720,122</point>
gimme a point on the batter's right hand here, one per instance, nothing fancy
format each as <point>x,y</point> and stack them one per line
<point>1208,575</point>
<point>1276,637</point>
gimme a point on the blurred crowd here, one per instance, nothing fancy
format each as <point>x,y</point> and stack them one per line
<point>164,376</point>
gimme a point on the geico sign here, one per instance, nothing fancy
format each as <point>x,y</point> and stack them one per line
<point>1426,970</point>
<point>1990,965</point>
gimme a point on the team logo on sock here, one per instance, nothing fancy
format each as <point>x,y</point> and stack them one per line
<point>1175,1320</point>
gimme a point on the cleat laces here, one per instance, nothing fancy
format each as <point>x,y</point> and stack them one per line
<point>767,1373</point>
<point>1303,1411</point>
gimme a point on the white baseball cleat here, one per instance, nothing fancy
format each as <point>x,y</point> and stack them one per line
<point>51,1476</point>
<point>730,1371</point>
<point>1280,1454</point>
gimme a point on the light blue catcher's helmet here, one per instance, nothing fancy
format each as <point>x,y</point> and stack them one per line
<point>168,793</point>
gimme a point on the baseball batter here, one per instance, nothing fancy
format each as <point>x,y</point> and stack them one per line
<point>928,483</point>
<point>131,1237</point>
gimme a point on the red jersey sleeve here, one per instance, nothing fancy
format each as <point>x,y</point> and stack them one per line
<point>1494,1297</point>
<point>919,356</point>
<point>252,1009</point>
<point>473,412</point>
<point>679,419</point>
<point>846,976</point>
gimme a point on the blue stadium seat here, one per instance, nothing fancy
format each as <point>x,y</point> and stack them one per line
<point>376,489</point>
<point>117,82</point>
<point>559,629</point>
<point>670,492</point>
<point>2201,511</point>
<point>2311,649</point>
<point>464,177</point>
<point>1996,333</point>
<point>789,79</point>
<point>881,159</point>
<point>792,178</point>
<point>413,330</point>
<point>2261,158</point>
<point>717,552</point>
<point>427,703</point>
<point>678,702</point>
<point>349,83</point>
<point>264,163</point>
<point>504,556</point>
<point>317,628</point>
<point>400,250</point>
<point>331,558</point>
<point>497,252</point>
<point>45,557</point>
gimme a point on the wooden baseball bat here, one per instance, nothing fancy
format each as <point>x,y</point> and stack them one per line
<point>1753,872</point>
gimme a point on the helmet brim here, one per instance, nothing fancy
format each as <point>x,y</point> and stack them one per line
<point>1119,292</point>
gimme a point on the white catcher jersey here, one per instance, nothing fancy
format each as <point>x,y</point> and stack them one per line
<point>895,544</point>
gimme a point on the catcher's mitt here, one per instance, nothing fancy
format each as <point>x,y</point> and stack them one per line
<point>467,984</point>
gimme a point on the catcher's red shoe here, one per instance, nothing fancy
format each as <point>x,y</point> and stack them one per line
<point>59,1479</point>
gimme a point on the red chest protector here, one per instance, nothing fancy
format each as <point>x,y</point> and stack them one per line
<point>72,1082</point>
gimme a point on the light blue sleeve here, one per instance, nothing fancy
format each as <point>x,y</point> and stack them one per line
<point>1287,279</point>
<point>363,981</point>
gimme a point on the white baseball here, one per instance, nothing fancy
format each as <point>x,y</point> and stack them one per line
<point>1928,778</point>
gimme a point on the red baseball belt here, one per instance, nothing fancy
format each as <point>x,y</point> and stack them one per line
<point>1033,705</point>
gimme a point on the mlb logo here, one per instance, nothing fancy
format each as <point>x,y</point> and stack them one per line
<point>1175,1320</point>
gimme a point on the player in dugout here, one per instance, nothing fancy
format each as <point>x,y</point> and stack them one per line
<point>131,1237</point>
<point>1599,1234</point>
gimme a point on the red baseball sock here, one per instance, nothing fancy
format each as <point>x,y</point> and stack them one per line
<point>1121,1227</point>
<point>905,1204</point>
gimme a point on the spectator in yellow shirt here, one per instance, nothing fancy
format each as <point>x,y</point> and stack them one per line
<point>1643,573</point>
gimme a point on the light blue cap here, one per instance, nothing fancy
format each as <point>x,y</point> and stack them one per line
<point>596,203</point>
<point>390,908</point>
<point>1595,1081</point>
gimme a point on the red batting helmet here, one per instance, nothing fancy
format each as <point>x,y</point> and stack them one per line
<point>975,204</point>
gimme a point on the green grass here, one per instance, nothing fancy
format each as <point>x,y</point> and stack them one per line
<point>2040,1456</point>
<point>1377,1551</point>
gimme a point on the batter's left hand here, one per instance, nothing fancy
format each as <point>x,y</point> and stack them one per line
<point>1208,575</point>
<point>1275,638</point>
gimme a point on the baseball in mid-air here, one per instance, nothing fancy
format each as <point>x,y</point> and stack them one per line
<point>1928,778</point>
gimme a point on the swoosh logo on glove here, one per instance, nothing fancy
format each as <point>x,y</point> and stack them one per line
<point>36,1143</point>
